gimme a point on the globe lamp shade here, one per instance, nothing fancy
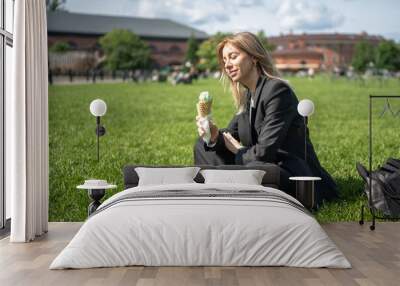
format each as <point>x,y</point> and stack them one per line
<point>305,107</point>
<point>98,107</point>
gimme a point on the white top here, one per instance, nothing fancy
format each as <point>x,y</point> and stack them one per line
<point>305,178</point>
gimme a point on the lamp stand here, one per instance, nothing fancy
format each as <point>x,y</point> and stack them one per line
<point>98,137</point>
<point>305,138</point>
<point>100,131</point>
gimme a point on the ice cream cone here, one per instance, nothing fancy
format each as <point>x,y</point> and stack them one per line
<point>204,111</point>
<point>204,104</point>
<point>203,108</point>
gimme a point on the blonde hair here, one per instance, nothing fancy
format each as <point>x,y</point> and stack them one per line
<point>250,44</point>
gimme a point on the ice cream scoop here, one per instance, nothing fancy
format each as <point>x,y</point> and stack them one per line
<point>205,96</point>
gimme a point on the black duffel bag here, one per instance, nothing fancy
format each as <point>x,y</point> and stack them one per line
<point>385,193</point>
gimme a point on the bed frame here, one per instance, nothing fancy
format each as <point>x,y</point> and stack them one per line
<point>274,177</point>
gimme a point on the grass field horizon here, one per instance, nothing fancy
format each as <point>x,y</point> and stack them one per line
<point>154,123</point>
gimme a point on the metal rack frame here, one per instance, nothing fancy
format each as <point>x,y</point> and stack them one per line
<point>371,208</point>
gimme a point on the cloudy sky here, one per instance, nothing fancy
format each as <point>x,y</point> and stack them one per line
<point>273,16</point>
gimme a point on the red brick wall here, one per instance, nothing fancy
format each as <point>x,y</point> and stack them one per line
<point>298,62</point>
<point>163,52</point>
<point>166,52</point>
<point>342,44</point>
<point>330,58</point>
<point>76,41</point>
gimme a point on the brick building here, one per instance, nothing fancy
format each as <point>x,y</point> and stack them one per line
<point>167,39</point>
<point>317,51</point>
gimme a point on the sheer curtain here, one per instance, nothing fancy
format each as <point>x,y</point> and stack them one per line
<point>27,124</point>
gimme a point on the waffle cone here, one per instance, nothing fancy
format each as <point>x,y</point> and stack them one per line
<point>203,108</point>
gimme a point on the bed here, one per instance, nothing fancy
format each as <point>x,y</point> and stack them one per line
<point>201,224</point>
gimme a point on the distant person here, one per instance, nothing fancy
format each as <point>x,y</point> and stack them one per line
<point>194,74</point>
<point>70,75</point>
<point>94,72</point>
<point>311,73</point>
<point>267,127</point>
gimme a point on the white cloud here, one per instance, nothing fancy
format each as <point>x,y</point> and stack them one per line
<point>247,3</point>
<point>186,11</point>
<point>274,16</point>
<point>392,35</point>
<point>306,15</point>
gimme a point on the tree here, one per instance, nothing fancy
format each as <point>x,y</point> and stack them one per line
<point>270,47</point>
<point>53,5</point>
<point>207,52</point>
<point>193,46</point>
<point>124,50</point>
<point>364,54</point>
<point>388,56</point>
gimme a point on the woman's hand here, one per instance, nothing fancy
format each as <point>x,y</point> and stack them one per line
<point>213,129</point>
<point>231,143</point>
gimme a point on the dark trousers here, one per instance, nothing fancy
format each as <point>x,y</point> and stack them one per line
<point>291,166</point>
<point>203,157</point>
<point>225,157</point>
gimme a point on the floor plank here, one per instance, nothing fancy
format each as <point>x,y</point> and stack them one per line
<point>374,255</point>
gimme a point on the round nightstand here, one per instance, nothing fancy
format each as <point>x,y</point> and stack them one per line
<point>96,193</point>
<point>305,192</point>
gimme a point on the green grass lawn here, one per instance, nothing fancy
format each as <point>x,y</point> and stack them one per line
<point>154,123</point>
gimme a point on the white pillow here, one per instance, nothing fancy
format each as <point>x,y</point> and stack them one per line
<point>163,176</point>
<point>249,177</point>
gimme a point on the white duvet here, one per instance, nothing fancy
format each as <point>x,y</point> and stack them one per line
<point>185,231</point>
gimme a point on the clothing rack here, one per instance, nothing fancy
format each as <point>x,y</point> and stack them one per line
<point>386,108</point>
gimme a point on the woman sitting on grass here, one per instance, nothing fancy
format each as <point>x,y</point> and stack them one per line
<point>267,127</point>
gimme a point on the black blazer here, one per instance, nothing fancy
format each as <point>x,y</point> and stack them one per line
<point>275,134</point>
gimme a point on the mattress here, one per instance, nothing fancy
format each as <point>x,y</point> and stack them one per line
<point>201,225</point>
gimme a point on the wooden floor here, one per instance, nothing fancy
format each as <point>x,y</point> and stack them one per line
<point>374,255</point>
